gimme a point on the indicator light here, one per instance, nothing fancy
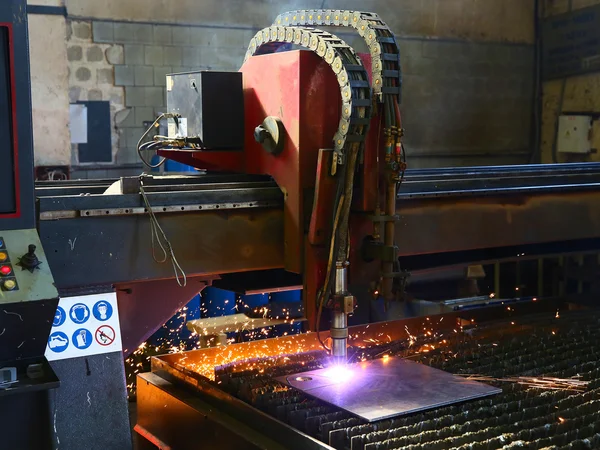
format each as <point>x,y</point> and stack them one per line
<point>5,270</point>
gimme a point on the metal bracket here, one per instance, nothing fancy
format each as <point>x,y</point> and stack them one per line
<point>399,275</point>
<point>271,135</point>
<point>171,209</point>
<point>344,303</point>
<point>383,218</point>
<point>373,250</point>
<point>337,160</point>
<point>338,333</point>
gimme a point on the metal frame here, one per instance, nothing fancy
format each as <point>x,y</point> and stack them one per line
<point>462,215</point>
<point>13,14</point>
<point>178,418</point>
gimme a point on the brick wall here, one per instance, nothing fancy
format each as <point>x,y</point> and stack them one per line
<point>126,63</point>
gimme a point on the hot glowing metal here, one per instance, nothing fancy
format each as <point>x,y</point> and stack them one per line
<point>387,387</point>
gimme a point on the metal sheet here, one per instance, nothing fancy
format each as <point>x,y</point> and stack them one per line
<point>388,387</point>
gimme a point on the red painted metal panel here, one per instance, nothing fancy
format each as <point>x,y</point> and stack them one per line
<point>145,306</point>
<point>300,89</point>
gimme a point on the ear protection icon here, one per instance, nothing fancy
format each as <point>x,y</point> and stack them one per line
<point>74,310</point>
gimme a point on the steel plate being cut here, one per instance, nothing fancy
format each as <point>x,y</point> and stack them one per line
<point>388,387</point>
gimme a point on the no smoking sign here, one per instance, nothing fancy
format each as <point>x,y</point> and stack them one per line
<point>105,335</point>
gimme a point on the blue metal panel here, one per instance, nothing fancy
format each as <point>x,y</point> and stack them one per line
<point>170,165</point>
<point>217,302</point>
<point>247,302</point>
<point>287,297</point>
<point>98,147</point>
<point>175,332</point>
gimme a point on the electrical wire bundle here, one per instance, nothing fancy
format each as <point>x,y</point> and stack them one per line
<point>157,233</point>
<point>339,246</point>
<point>159,142</point>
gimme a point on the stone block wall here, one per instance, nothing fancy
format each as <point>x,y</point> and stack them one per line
<point>468,67</point>
<point>91,73</point>
<point>127,63</point>
<point>464,102</point>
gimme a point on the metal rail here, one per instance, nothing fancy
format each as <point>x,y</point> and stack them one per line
<point>165,196</point>
<point>239,227</point>
<point>482,181</point>
<point>418,184</point>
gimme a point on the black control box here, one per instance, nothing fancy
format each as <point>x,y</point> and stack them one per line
<point>211,105</point>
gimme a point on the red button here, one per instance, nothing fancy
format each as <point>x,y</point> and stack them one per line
<point>5,270</point>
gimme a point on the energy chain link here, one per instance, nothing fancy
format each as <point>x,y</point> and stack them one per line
<point>384,50</point>
<point>353,80</point>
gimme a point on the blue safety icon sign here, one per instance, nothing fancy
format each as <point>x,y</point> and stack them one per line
<point>82,338</point>
<point>79,313</point>
<point>102,310</point>
<point>58,342</point>
<point>59,317</point>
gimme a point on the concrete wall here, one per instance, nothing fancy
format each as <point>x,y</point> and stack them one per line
<point>49,90</point>
<point>491,20</point>
<point>581,94</point>
<point>468,65</point>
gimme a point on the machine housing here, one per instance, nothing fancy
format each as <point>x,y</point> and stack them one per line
<point>211,105</point>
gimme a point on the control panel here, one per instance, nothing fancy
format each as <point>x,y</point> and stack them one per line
<point>8,281</point>
<point>24,271</point>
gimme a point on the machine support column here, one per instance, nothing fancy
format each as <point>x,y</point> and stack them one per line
<point>344,304</point>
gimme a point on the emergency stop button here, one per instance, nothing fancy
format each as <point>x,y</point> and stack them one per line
<point>9,285</point>
<point>3,257</point>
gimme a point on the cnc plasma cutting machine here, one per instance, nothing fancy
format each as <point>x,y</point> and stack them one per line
<point>302,180</point>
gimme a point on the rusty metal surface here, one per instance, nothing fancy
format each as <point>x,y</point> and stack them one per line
<point>450,224</point>
<point>218,420</point>
<point>117,249</point>
<point>145,306</point>
<point>546,365</point>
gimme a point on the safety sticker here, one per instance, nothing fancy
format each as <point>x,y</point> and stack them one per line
<point>84,326</point>
<point>59,317</point>
<point>105,335</point>
<point>58,342</point>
